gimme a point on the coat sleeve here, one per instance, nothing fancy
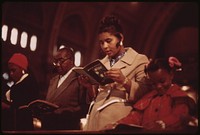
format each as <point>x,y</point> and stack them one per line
<point>138,87</point>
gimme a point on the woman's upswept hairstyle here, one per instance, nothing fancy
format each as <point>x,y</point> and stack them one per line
<point>112,25</point>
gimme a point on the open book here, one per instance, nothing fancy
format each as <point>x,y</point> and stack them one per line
<point>40,106</point>
<point>95,71</point>
<point>122,127</point>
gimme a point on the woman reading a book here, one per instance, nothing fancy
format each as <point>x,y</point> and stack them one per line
<point>125,67</point>
<point>23,91</point>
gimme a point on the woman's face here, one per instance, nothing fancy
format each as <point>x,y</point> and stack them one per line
<point>15,72</point>
<point>161,80</point>
<point>108,43</point>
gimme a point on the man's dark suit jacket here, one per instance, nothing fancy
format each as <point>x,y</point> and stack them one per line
<point>70,96</point>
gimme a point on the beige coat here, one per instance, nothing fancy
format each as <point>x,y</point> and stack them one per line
<point>108,109</point>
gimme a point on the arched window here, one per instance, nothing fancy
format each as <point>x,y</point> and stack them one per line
<point>23,41</point>
<point>4,32</point>
<point>33,43</point>
<point>13,37</point>
<point>77,58</point>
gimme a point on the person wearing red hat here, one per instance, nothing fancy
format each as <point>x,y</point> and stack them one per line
<point>20,62</point>
<point>23,91</point>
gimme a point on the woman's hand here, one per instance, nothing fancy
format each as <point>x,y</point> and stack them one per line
<point>116,75</point>
<point>160,124</point>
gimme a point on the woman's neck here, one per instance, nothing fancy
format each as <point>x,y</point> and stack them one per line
<point>120,52</point>
<point>119,55</point>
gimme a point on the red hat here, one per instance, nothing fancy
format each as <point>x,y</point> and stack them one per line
<point>19,60</point>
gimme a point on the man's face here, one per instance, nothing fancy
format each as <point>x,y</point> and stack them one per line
<point>63,62</point>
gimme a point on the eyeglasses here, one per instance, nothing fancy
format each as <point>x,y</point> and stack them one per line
<point>59,61</point>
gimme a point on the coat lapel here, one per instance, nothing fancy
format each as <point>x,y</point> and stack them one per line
<point>55,92</point>
<point>66,83</point>
<point>52,88</point>
<point>126,61</point>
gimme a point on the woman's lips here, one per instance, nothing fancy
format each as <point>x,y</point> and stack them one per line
<point>108,52</point>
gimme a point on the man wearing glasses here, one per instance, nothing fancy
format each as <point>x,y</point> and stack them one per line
<point>65,91</point>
